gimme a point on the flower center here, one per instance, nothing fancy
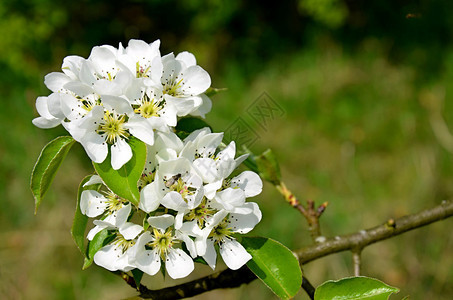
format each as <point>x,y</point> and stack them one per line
<point>148,109</point>
<point>140,71</point>
<point>172,86</point>
<point>120,241</point>
<point>113,127</point>
<point>177,184</point>
<point>221,232</point>
<point>114,202</point>
<point>163,241</point>
<point>146,179</point>
<point>202,214</point>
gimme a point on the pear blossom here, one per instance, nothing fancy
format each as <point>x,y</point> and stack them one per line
<point>116,255</point>
<point>159,245</point>
<point>220,232</point>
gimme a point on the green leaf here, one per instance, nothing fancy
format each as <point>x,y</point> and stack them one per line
<point>123,181</point>
<point>94,245</point>
<point>137,274</point>
<point>80,220</point>
<point>268,167</point>
<point>46,166</point>
<point>212,91</point>
<point>275,265</point>
<point>354,288</point>
<point>187,125</point>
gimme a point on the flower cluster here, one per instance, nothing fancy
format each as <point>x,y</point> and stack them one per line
<point>191,204</point>
<point>117,93</point>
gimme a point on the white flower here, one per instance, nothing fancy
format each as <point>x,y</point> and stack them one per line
<point>116,255</point>
<point>142,60</point>
<point>183,83</point>
<point>220,232</point>
<point>98,129</point>
<point>117,219</point>
<point>181,186</point>
<point>161,247</point>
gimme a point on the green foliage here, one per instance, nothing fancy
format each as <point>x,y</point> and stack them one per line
<point>354,288</point>
<point>187,125</point>
<point>138,275</point>
<point>275,265</point>
<point>98,241</point>
<point>50,159</point>
<point>332,13</point>
<point>123,181</point>
<point>80,221</point>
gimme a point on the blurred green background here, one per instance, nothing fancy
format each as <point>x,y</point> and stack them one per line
<point>365,88</point>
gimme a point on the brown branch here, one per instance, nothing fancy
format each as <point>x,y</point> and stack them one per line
<point>358,240</point>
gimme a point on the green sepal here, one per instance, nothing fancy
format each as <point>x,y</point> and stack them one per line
<point>268,167</point>
<point>212,91</point>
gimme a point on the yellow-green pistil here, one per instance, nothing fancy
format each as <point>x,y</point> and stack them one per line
<point>163,241</point>
<point>181,187</point>
<point>221,231</point>
<point>120,241</point>
<point>113,127</point>
<point>148,109</point>
<point>114,202</point>
<point>172,87</point>
<point>202,214</point>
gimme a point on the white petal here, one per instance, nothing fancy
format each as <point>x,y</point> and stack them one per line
<point>196,80</point>
<point>178,264</point>
<point>130,230</point>
<point>234,254</point>
<point>43,108</point>
<point>249,182</point>
<point>173,200</point>
<point>189,244</point>
<point>244,223</point>
<point>107,257</point>
<point>210,255</point>
<point>230,198</point>
<point>95,179</point>
<point>44,123</point>
<point>141,129</point>
<point>211,189</point>
<point>150,198</point>
<point>207,168</point>
<point>162,222</point>
<point>54,104</point>
<point>117,104</point>
<point>92,203</point>
<point>121,153</point>
<point>188,58</point>
<point>95,146</point>
<point>204,108</point>
<point>148,261</point>
<point>79,88</point>
<point>183,105</point>
<point>55,81</point>
<point>174,167</point>
<point>95,230</point>
<point>121,215</point>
